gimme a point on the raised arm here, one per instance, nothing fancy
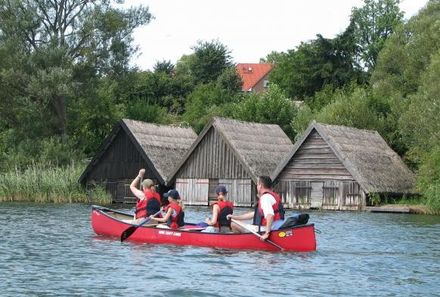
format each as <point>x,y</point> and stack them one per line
<point>134,185</point>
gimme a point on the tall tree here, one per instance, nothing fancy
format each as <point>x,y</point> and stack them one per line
<point>271,107</point>
<point>373,23</point>
<point>66,43</point>
<point>164,66</point>
<point>209,61</point>
<point>313,65</point>
<point>400,68</point>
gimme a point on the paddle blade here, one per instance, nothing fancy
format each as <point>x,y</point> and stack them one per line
<point>127,233</point>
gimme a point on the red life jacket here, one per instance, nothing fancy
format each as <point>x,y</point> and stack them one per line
<point>148,206</point>
<point>277,207</point>
<point>225,208</point>
<point>176,219</point>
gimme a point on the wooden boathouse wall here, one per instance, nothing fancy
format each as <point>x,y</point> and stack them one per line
<point>133,145</point>
<point>119,164</point>
<point>230,153</point>
<point>337,167</point>
<point>316,178</point>
<point>214,160</point>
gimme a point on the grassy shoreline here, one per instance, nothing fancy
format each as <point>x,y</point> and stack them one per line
<point>45,184</point>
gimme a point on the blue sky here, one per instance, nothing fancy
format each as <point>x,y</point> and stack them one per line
<point>251,29</point>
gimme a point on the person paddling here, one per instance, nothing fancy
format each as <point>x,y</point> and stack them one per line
<point>220,210</point>
<point>148,200</point>
<point>174,216</point>
<point>268,214</point>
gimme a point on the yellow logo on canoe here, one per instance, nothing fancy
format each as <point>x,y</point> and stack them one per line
<point>282,234</point>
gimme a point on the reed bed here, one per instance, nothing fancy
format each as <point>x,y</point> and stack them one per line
<point>48,184</point>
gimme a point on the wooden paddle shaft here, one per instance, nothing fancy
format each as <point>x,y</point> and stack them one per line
<point>256,234</point>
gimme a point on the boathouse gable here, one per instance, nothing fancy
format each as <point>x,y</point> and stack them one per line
<point>336,167</point>
<point>231,153</point>
<point>213,158</point>
<point>133,145</point>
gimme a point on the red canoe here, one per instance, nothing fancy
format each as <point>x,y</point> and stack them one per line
<point>108,222</point>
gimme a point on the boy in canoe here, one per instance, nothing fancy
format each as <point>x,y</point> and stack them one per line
<point>174,215</point>
<point>268,214</point>
<point>220,210</point>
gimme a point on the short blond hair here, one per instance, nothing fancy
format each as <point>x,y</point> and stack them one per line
<point>147,183</point>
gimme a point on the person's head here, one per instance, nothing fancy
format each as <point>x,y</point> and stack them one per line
<point>221,192</point>
<point>264,183</point>
<point>172,195</point>
<point>147,184</point>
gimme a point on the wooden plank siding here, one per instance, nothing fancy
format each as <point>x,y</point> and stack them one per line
<point>239,191</point>
<point>212,159</point>
<point>120,160</point>
<point>316,178</point>
<point>193,191</point>
<point>315,160</point>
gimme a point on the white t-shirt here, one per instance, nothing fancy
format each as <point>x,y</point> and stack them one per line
<point>266,202</point>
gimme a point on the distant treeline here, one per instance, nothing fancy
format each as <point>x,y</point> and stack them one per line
<point>64,84</point>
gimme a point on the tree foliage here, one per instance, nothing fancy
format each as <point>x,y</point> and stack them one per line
<point>373,24</point>
<point>209,61</point>
<point>353,106</point>
<point>400,69</point>
<point>419,123</point>
<point>271,107</point>
<point>316,64</point>
<point>53,55</point>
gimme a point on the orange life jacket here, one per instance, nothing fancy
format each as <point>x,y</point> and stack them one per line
<point>225,208</point>
<point>176,219</point>
<point>148,206</point>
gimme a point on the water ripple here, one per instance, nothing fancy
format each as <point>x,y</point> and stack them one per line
<point>51,250</point>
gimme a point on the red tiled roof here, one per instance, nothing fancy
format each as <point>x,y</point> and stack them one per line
<point>251,74</point>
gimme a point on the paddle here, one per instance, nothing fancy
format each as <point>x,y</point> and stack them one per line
<point>256,234</point>
<point>130,230</point>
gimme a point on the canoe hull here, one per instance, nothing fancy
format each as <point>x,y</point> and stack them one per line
<point>109,222</point>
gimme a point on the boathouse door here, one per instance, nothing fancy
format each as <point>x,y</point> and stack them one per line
<point>316,194</point>
<point>193,191</point>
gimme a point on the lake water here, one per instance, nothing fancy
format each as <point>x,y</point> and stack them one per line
<point>51,250</point>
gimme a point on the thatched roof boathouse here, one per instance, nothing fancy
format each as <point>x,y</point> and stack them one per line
<point>133,145</point>
<point>336,167</point>
<point>231,153</point>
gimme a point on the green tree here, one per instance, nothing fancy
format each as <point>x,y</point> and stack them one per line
<point>206,101</point>
<point>164,66</point>
<point>316,64</point>
<point>53,55</point>
<point>354,106</point>
<point>55,36</point>
<point>161,88</point>
<point>419,124</point>
<point>270,107</point>
<point>373,23</point>
<point>407,54</point>
<point>209,61</point>
<point>428,178</point>
<point>400,69</point>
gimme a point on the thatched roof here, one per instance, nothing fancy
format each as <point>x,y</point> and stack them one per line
<point>366,155</point>
<point>259,147</point>
<point>160,146</point>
